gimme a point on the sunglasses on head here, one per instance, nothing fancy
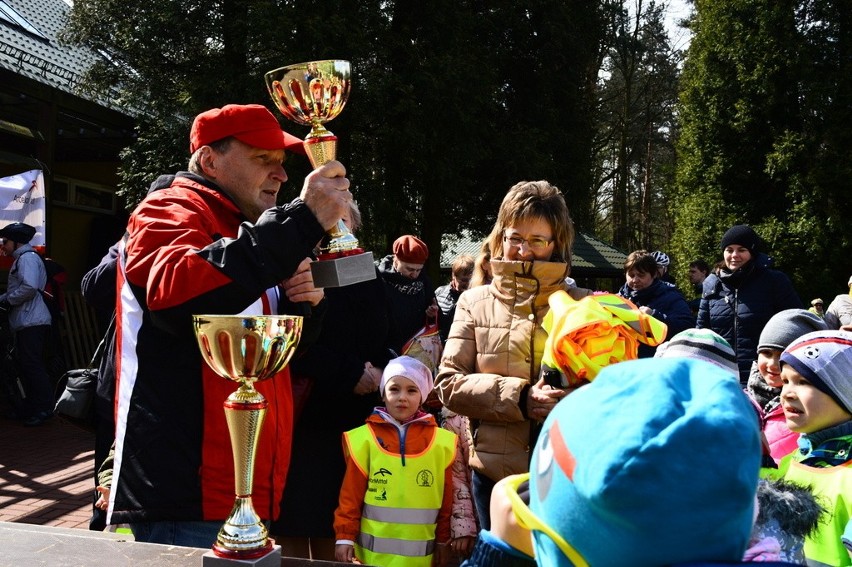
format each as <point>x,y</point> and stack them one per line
<point>529,520</point>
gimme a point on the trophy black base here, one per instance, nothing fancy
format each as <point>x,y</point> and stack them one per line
<point>271,559</point>
<point>347,270</point>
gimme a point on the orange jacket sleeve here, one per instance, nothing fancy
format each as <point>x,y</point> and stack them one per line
<point>347,516</point>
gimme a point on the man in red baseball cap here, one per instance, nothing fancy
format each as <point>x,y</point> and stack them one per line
<point>211,240</point>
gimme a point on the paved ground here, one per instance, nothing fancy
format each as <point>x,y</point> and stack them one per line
<point>46,473</point>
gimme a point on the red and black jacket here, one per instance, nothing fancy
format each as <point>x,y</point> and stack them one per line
<point>188,250</point>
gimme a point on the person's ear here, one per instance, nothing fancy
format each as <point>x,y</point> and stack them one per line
<point>207,161</point>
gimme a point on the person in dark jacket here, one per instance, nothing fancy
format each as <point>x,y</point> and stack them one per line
<point>448,295</point>
<point>339,379</point>
<point>409,290</point>
<point>745,293</point>
<point>98,288</point>
<point>653,296</point>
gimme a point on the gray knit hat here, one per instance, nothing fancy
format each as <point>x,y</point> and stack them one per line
<point>702,344</point>
<point>824,358</point>
<point>786,326</point>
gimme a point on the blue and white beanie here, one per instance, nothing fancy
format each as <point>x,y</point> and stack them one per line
<point>824,358</point>
<point>656,461</point>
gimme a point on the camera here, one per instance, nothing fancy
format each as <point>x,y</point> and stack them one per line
<point>553,377</point>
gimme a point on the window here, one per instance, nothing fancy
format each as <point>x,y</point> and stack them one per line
<point>82,195</point>
<point>11,16</point>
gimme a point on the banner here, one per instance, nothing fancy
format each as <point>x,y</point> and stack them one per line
<point>22,200</point>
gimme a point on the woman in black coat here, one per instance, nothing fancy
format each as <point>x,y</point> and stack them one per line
<point>335,388</point>
<point>744,294</point>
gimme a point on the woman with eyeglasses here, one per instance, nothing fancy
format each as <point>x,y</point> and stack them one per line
<point>491,362</point>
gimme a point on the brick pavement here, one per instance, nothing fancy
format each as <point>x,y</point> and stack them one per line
<point>46,473</point>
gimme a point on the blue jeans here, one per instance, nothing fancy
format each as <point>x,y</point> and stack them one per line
<point>186,534</point>
<point>482,488</point>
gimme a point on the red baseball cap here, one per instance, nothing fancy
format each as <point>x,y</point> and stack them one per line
<point>252,124</point>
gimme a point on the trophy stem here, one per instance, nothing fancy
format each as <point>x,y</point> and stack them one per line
<point>321,149</point>
<point>244,536</point>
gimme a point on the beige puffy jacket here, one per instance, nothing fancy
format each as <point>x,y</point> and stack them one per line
<point>493,350</point>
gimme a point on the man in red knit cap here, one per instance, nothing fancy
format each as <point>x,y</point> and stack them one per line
<point>411,297</point>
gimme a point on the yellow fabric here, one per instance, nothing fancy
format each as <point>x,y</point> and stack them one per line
<point>417,485</point>
<point>527,519</point>
<point>831,486</point>
<point>585,336</point>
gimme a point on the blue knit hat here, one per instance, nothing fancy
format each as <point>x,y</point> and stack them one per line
<point>653,463</point>
<point>824,358</point>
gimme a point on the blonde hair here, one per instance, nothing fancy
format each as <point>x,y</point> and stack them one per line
<point>462,266</point>
<point>531,200</point>
<point>354,216</point>
<point>481,274</point>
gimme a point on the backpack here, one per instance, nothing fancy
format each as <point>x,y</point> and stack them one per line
<point>53,294</point>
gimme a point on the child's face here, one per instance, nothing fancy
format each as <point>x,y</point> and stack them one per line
<point>769,365</point>
<point>402,398</point>
<point>807,409</point>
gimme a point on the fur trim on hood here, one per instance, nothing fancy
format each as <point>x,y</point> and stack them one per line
<point>793,506</point>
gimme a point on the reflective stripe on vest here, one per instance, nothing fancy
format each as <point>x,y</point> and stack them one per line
<point>390,546</point>
<point>399,515</point>
<point>831,486</point>
<point>402,503</point>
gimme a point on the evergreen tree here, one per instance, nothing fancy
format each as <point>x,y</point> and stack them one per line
<point>635,152</point>
<point>452,102</point>
<point>740,125</point>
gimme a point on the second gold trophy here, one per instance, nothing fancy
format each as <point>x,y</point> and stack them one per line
<point>312,94</point>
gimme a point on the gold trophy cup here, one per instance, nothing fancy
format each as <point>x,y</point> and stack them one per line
<point>245,349</point>
<point>312,94</point>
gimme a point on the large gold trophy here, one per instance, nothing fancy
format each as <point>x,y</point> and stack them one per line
<point>312,94</point>
<point>246,349</point>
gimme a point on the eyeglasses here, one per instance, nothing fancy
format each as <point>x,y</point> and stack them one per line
<point>529,520</point>
<point>534,243</point>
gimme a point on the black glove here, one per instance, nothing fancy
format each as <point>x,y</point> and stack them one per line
<point>5,305</point>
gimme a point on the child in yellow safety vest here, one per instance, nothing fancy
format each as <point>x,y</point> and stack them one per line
<point>396,499</point>
<point>816,395</point>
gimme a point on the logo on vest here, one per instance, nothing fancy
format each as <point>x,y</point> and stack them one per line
<point>382,471</point>
<point>425,478</point>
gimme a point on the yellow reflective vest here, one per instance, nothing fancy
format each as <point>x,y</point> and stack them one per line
<point>402,500</point>
<point>832,487</point>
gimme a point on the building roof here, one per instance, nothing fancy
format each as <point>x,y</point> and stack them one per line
<point>593,258</point>
<point>41,101</point>
<point>29,46</point>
